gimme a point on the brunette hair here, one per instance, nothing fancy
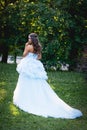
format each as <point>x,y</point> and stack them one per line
<point>35,43</point>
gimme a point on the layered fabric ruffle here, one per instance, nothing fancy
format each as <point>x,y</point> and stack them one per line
<point>32,67</point>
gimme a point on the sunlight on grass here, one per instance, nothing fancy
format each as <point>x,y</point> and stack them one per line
<point>14,111</point>
<point>52,86</point>
<point>2,94</point>
<point>2,83</point>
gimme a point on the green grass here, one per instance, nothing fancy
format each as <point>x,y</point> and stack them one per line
<point>70,86</point>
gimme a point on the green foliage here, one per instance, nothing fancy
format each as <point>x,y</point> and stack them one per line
<point>70,86</point>
<point>60,24</point>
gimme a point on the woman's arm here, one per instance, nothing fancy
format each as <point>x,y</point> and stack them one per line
<point>25,50</point>
<point>28,48</point>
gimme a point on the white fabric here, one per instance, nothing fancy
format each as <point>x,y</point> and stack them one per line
<point>34,95</point>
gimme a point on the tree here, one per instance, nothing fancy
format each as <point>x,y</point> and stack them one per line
<point>8,11</point>
<point>77,29</point>
<point>61,25</point>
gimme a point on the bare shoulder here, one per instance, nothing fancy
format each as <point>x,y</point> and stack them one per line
<point>30,48</point>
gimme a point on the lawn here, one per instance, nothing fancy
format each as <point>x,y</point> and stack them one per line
<point>70,86</point>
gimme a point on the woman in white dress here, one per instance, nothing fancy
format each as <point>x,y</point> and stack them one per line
<point>33,94</point>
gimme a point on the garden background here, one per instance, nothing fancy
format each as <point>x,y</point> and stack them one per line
<point>62,29</point>
<point>60,24</point>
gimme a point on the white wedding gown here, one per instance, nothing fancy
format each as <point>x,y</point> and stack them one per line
<point>34,95</point>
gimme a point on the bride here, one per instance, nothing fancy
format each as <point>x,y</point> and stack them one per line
<point>33,94</point>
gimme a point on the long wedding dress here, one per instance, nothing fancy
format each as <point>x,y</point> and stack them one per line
<point>34,95</point>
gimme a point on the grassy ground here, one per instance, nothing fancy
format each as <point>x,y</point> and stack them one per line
<point>70,86</point>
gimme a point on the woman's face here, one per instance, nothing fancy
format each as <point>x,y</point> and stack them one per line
<point>29,40</point>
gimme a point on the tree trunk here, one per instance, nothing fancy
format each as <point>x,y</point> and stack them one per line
<point>5,46</point>
<point>4,54</point>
